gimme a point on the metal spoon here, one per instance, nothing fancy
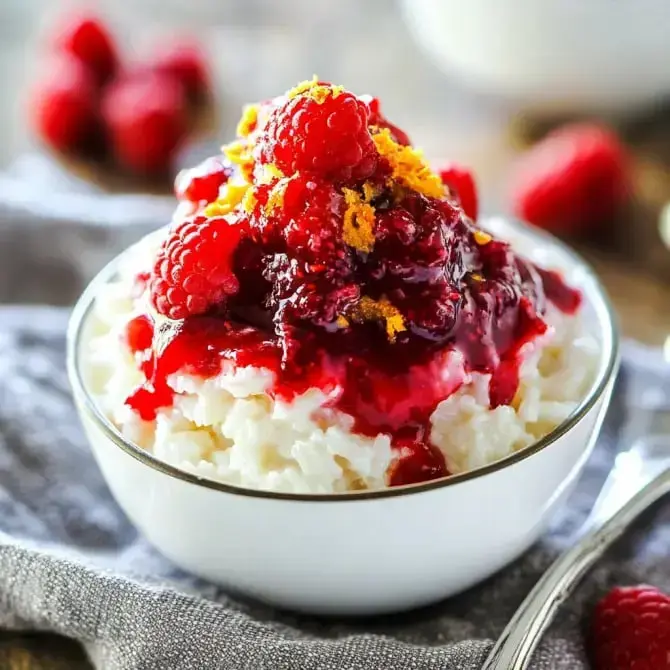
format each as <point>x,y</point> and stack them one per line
<point>641,475</point>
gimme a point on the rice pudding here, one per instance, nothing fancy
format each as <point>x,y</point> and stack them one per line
<point>323,315</point>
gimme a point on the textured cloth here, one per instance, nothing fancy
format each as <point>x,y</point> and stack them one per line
<point>71,563</point>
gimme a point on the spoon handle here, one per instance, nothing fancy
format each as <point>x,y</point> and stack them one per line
<point>514,648</point>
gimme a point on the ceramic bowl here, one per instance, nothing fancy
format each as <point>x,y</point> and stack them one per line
<point>365,552</point>
<point>557,56</point>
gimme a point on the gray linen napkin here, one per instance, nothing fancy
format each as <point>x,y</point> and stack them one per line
<point>71,563</point>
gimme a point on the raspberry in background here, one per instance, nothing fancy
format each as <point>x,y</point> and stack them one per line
<point>193,272</point>
<point>86,38</point>
<point>461,182</point>
<point>185,61</point>
<point>146,121</point>
<point>202,183</point>
<point>328,136</point>
<point>572,180</point>
<point>631,630</point>
<point>63,104</point>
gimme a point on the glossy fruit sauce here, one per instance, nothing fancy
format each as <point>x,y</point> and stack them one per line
<point>363,278</point>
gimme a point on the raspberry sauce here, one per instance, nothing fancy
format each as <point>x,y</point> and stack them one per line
<point>385,390</point>
<point>336,259</point>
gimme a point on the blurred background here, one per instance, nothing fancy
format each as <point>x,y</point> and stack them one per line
<point>478,83</point>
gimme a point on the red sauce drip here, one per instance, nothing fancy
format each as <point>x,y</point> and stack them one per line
<point>467,304</point>
<point>567,299</point>
<point>420,460</point>
<point>385,389</point>
<point>140,333</point>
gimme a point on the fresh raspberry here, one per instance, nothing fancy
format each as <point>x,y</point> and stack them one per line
<point>86,38</point>
<point>310,220</point>
<point>328,137</point>
<point>146,120</point>
<point>574,179</point>
<point>63,105</point>
<point>202,183</point>
<point>193,272</point>
<point>312,270</point>
<point>631,629</point>
<point>462,183</point>
<point>378,119</point>
<point>185,62</point>
<point>405,249</point>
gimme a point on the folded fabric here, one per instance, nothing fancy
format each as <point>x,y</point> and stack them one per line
<point>71,563</point>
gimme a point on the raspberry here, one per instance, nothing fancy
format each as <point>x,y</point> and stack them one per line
<point>202,183</point>
<point>574,179</point>
<point>430,310</point>
<point>302,291</point>
<point>86,38</point>
<point>193,272</point>
<point>396,254</point>
<point>409,262</point>
<point>313,279</point>
<point>310,220</point>
<point>430,225</point>
<point>631,629</point>
<point>146,121</point>
<point>396,226</point>
<point>328,137</point>
<point>462,183</point>
<point>185,62</point>
<point>63,105</point>
<point>378,119</point>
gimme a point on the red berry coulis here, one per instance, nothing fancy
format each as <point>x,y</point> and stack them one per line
<point>374,287</point>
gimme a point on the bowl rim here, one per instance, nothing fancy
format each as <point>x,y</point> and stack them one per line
<point>86,403</point>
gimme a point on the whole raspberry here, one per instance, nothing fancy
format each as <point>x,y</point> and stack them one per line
<point>460,180</point>
<point>202,183</point>
<point>146,121</point>
<point>574,179</point>
<point>193,271</point>
<point>63,105</point>
<point>185,62</point>
<point>313,277</point>
<point>325,134</point>
<point>631,629</point>
<point>417,241</point>
<point>309,220</point>
<point>86,38</point>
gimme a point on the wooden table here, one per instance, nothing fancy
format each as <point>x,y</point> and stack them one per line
<point>41,652</point>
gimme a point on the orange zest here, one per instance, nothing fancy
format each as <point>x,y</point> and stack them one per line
<point>359,222</point>
<point>232,195</point>
<point>248,121</point>
<point>408,165</point>
<point>368,309</point>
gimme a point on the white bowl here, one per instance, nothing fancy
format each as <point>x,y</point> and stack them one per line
<point>556,55</point>
<point>363,552</point>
